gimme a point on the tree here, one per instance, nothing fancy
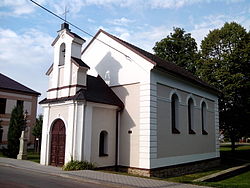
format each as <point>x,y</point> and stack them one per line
<point>15,130</point>
<point>225,55</point>
<point>179,48</point>
<point>37,130</point>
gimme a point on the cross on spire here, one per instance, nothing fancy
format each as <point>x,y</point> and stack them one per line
<point>65,14</point>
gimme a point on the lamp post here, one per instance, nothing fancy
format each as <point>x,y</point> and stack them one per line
<point>23,140</point>
<point>1,131</point>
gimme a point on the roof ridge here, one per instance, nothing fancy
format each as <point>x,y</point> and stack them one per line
<point>79,62</point>
<point>159,62</point>
<point>18,86</point>
<point>156,61</point>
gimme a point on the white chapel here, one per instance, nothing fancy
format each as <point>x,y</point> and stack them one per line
<point>119,106</point>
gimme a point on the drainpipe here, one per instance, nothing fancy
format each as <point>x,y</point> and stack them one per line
<point>73,149</point>
<point>117,139</point>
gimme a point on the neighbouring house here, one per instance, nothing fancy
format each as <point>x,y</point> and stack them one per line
<point>117,105</point>
<point>13,94</point>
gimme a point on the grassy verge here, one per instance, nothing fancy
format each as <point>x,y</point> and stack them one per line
<point>228,159</point>
<point>31,154</point>
<point>240,181</point>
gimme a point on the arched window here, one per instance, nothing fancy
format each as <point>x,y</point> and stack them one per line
<point>175,113</point>
<point>204,118</point>
<point>62,54</point>
<point>191,116</point>
<point>103,144</point>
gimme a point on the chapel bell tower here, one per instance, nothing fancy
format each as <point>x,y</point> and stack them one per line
<point>68,72</point>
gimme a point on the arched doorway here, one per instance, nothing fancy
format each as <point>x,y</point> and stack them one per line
<point>58,138</point>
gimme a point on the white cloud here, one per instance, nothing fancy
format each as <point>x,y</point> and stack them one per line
<point>171,3</point>
<point>152,3</point>
<point>90,20</point>
<point>144,38</point>
<point>212,22</point>
<point>32,44</point>
<point>22,7</point>
<point>25,57</point>
<point>18,7</point>
<point>121,21</point>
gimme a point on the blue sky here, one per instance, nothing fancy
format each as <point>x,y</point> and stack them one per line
<point>27,31</point>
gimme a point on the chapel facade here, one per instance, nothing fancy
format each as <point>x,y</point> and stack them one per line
<point>117,105</point>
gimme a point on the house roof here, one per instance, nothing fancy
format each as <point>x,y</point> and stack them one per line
<point>75,35</point>
<point>79,62</point>
<point>75,60</point>
<point>96,91</point>
<point>158,63</point>
<point>69,33</point>
<point>12,85</point>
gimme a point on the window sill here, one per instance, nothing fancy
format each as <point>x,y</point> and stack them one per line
<point>103,155</point>
<point>204,132</point>
<point>191,132</point>
<point>175,131</point>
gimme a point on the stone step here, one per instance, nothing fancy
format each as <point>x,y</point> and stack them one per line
<point>224,173</point>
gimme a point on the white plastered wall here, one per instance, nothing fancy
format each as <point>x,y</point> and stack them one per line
<point>61,76</point>
<point>182,148</point>
<point>129,131</point>
<point>103,119</point>
<point>71,113</point>
<point>121,71</point>
<point>29,104</point>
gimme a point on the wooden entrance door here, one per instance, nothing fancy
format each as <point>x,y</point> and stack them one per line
<point>58,137</point>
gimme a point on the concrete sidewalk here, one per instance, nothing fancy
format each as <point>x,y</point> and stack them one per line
<point>92,176</point>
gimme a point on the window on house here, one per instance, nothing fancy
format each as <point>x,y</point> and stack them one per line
<point>175,113</point>
<point>204,118</point>
<point>19,103</point>
<point>2,105</point>
<point>62,54</point>
<point>191,116</point>
<point>103,144</point>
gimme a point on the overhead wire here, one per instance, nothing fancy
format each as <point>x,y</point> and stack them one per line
<point>92,36</point>
<point>73,25</point>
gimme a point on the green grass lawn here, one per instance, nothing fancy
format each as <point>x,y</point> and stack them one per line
<point>240,181</point>
<point>31,154</point>
<point>228,160</point>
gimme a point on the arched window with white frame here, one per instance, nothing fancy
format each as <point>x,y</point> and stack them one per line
<point>204,118</point>
<point>62,53</point>
<point>175,114</point>
<point>103,144</point>
<point>191,116</point>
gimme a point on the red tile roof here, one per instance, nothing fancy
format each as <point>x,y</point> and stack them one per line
<point>12,85</point>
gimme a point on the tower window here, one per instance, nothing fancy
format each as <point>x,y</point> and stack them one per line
<point>62,54</point>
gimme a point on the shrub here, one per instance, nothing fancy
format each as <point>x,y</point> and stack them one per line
<point>15,130</point>
<point>78,165</point>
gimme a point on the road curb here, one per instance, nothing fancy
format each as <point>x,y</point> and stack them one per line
<point>70,176</point>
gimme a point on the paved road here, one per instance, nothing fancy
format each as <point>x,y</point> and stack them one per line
<point>18,178</point>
